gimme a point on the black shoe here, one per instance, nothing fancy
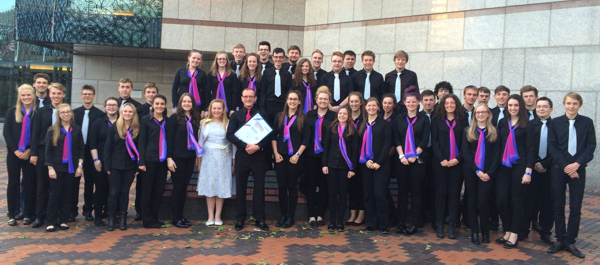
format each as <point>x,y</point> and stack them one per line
<point>12,222</point>
<point>440,230</point>
<point>137,217</point>
<point>38,222</point>
<point>358,224</point>
<point>181,224</point>
<point>411,230</point>
<point>475,238</point>
<point>536,226</point>
<point>281,221</point>
<point>320,223</point>
<point>547,238</point>
<point>110,225</point>
<point>349,223</point>
<point>384,230</point>
<point>452,231</point>
<point>160,223</point>
<point>521,236</point>
<point>19,216</point>
<point>262,225</point>
<point>510,245</point>
<point>152,225</point>
<point>289,222</point>
<point>239,225</point>
<point>88,216</point>
<point>574,251</point>
<point>123,221</point>
<point>500,241</point>
<point>331,227</point>
<point>400,228</point>
<point>71,218</point>
<point>313,223</point>
<point>341,228</point>
<point>27,221</point>
<point>99,222</point>
<point>64,226</point>
<point>187,222</point>
<point>369,229</point>
<point>485,238</point>
<point>494,226</point>
<point>557,247</point>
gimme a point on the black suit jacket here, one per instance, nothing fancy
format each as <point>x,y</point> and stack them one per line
<point>496,114</point>
<point>345,86</point>
<point>375,78</point>
<point>95,113</point>
<point>558,141</point>
<point>533,148</point>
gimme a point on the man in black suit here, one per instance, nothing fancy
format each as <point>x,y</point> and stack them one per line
<point>571,143</point>
<point>368,78</point>
<point>264,51</point>
<point>239,52</point>
<point>349,61</point>
<point>428,103</point>
<point>470,95</point>
<point>40,83</point>
<point>400,78</point>
<point>249,158</point>
<point>440,90</point>
<point>84,117</point>
<point>501,94</point>
<point>339,84</point>
<point>317,59</point>
<point>293,55</point>
<point>150,90</point>
<point>530,96</point>
<point>125,89</point>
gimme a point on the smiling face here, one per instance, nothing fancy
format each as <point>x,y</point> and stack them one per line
<point>248,98</point>
<point>252,62</point>
<point>293,100</point>
<point>513,107</point>
<point>305,68</point>
<point>278,59</point>
<point>195,59</point>
<point>65,113</point>
<point>26,96</point>
<point>349,61</point>
<point>388,104</point>
<point>355,103</point>
<point>368,62</point>
<point>41,85</point>
<point>501,98</point>
<point>372,108</point>
<point>56,95</point>
<point>543,109</point>
<point>111,107</point>
<point>450,105</point>
<point>88,96</point>
<point>481,114</point>
<point>293,56</point>
<point>343,115</point>
<point>336,63</point>
<point>127,113</point>
<point>264,52</point>
<point>316,60</point>
<point>216,109</point>
<point>400,63</point>
<point>222,60</point>
<point>186,103</point>
<point>571,106</point>
<point>411,103</point>
<point>470,96</point>
<point>238,54</point>
<point>323,100</point>
<point>159,105</point>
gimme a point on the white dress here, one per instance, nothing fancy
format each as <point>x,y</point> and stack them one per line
<point>215,178</point>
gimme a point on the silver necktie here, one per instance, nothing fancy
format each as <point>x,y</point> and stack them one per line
<point>277,84</point>
<point>397,89</point>
<point>572,138</point>
<point>53,116</point>
<point>543,140</point>
<point>336,87</point>
<point>85,125</point>
<point>367,87</point>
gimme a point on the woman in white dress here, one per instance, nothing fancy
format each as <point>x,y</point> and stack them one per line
<point>216,164</point>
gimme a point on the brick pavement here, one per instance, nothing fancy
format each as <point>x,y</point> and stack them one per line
<point>86,244</point>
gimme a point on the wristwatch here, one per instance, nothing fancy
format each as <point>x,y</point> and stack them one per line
<point>400,157</point>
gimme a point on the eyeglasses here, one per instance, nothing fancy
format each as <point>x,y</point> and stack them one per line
<point>263,50</point>
<point>542,107</point>
<point>481,112</point>
<point>66,112</point>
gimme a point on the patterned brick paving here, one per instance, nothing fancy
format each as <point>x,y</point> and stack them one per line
<point>86,244</point>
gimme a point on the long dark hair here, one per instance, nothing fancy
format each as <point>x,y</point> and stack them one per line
<point>299,113</point>
<point>194,111</point>
<point>298,74</point>
<point>523,114</point>
<point>245,71</point>
<point>160,97</point>
<point>349,124</point>
<point>441,114</point>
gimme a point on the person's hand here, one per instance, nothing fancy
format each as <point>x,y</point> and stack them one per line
<point>376,166</point>
<point>369,164</point>
<point>325,170</point>
<point>486,177</point>
<point>19,154</point>
<point>142,168</point>
<point>171,164</point>
<point>26,154</point>
<point>252,148</point>
<point>175,111</point>
<point>294,159</point>
<point>33,160</point>
<point>335,109</point>
<point>412,159</point>
<point>231,112</point>
<point>51,173</point>
<point>79,171</point>
<point>203,114</point>
<point>98,165</point>
<point>351,174</point>
<point>571,168</point>
<point>526,179</point>
<point>444,163</point>
<point>108,172</point>
<point>278,157</point>
<point>574,175</point>
<point>404,161</point>
<point>453,162</point>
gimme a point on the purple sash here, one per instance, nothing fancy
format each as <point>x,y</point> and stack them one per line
<point>25,139</point>
<point>192,143</point>
<point>366,151</point>
<point>67,154</point>
<point>453,147</point>
<point>221,90</point>
<point>308,102</point>
<point>131,149</point>
<point>343,146</point>
<point>410,150</point>
<point>162,141</point>
<point>286,133</point>
<point>480,154</point>
<point>318,133</point>
<point>194,86</point>
<point>510,155</point>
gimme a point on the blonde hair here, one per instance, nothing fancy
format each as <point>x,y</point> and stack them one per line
<point>321,90</point>
<point>210,116</point>
<point>58,86</point>
<point>214,68</point>
<point>492,134</point>
<point>58,124</point>
<point>135,123</point>
<point>19,105</point>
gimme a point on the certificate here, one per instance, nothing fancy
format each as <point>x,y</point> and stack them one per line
<point>254,130</point>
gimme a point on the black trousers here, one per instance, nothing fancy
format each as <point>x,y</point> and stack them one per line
<point>375,183</point>
<point>89,175</point>
<point>559,182</point>
<point>101,193</point>
<point>428,193</point>
<point>181,178</point>
<point>287,181</point>
<point>510,196</point>
<point>155,179</point>
<point>139,187</point>
<point>494,215</point>
<point>479,202</point>
<point>245,164</point>
<point>119,182</point>
<point>356,193</point>
<point>14,166</point>
<point>43,185</point>
<point>338,194</point>
<point>539,202</point>
<point>271,109</point>
<point>448,184</point>
<point>316,201</point>
<point>410,179</point>
<point>59,204</point>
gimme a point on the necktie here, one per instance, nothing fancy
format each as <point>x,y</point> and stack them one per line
<point>131,148</point>
<point>347,73</point>
<point>336,87</point>
<point>308,102</point>
<point>286,134</point>
<point>572,138</point>
<point>122,103</point>
<point>53,116</point>
<point>500,116</point>
<point>510,155</point>
<point>368,86</point>
<point>470,116</point>
<point>192,143</point>
<point>263,70</point>
<point>366,151</point>
<point>248,116</point>
<point>221,89</point>
<point>480,153</point>
<point>410,150</point>
<point>318,129</point>
<point>531,115</point>
<point>277,84</point>
<point>85,125</point>
<point>41,102</point>
<point>237,70</point>
<point>543,140</point>
<point>315,75</point>
<point>429,116</point>
<point>290,70</point>
<point>397,89</point>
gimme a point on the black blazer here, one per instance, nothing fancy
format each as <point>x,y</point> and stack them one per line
<point>332,156</point>
<point>312,117</point>
<point>267,86</point>
<point>231,84</point>
<point>349,72</point>
<point>286,67</point>
<point>376,79</point>
<point>95,113</point>
<point>390,118</point>
<point>382,140</point>
<point>115,152</point>
<point>558,141</point>
<point>421,131</point>
<point>320,74</point>
<point>41,121</point>
<point>440,139</point>
<point>302,89</point>
<point>493,154</point>
<point>54,154</point>
<point>534,128</point>
<point>97,135</point>
<point>12,129</point>
<point>181,84</point>
<point>520,138</point>
<point>236,121</point>
<point>496,114</point>
<point>149,140</point>
<point>345,86</point>
<point>297,137</point>
<point>407,78</point>
<point>46,101</point>
<point>177,137</point>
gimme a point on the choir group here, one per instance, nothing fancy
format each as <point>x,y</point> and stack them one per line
<point>347,132</point>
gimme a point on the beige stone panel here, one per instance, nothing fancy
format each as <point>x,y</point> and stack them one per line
<point>542,64</point>
<point>586,68</point>
<point>316,12</point>
<point>297,38</point>
<point>309,41</point>
<point>396,8</point>
<point>245,36</point>
<point>353,38</point>
<point>429,68</point>
<point>380,39</point>
<point>169,69</point>
<point>429,7</point>
<point>484,32</point>
<point>76,85</point>
<point>107,89</point>
<point>78,66</point>
<point>367,9</point>
<point>516,2</point>
<point>226,10</point>
<point>289,12</point>
<point>445,34</point>
<point>491,69</point>
<point>340,11</point>
<point>494,3</point>
<point>124,67</point>
<point>385,63</point>
<point>513,67</point>
<point>98,67</point>
<point>194,9</point>
<point>412,37</point>
<point>208,38</point>
<point>527,29</point>
<point>150,70</point>
<point>463,68</point>
<point>575,26</point>
<point>257,11</point>
<point>177,37</point>
<point>277,38</point>
<point>460,5</point>
<point>170,9</point>
<point>327,40</point>
<point>326,65</point>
